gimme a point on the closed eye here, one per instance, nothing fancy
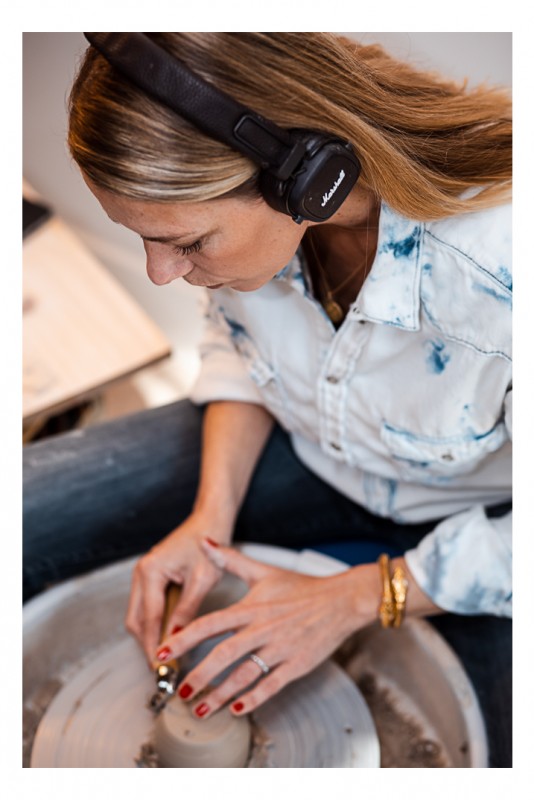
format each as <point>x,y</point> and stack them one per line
<point>186,250</point>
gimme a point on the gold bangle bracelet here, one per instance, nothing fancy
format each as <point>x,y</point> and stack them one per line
<point>400,590</point>
<point>394,591</point>
<point>386,611</point>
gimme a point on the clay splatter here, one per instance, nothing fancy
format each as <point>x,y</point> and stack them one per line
<point>402,741</point>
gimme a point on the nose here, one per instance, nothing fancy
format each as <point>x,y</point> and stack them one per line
<point>164,266</point>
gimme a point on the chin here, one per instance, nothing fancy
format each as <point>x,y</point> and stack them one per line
<point>249,285</point>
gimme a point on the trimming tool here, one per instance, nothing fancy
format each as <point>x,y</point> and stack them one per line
<point>167,673</point>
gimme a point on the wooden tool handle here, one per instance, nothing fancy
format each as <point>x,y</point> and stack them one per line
<point>172,596</point>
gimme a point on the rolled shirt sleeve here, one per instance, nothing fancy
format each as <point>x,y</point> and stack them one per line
<point>223,375</point>
<point>465,564</point>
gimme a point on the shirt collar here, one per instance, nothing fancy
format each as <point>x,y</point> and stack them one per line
<point>390,294</point>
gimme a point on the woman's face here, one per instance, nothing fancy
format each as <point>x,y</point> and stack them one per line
<point>231,242</point>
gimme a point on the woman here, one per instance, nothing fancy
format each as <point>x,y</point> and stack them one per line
<point>356,378</point>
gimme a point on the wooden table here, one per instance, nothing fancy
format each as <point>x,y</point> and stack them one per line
<point>81,329</point>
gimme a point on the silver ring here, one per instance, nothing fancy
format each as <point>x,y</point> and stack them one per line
<point>260,662</point>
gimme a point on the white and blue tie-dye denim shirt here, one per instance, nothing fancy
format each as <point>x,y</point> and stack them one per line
<point>406,408</point>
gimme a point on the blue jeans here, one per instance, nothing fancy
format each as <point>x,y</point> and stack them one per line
<point>114,490</point>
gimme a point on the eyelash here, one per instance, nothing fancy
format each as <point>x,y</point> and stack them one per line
<point>188,249</point>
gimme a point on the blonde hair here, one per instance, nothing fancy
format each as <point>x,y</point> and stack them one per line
<point>423,141</point>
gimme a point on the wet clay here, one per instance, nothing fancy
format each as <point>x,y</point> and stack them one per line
<point>183,740</point>
<point>260,746</point>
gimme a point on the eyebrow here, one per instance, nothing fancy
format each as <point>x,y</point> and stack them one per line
<point>165,239</point>
<point>175,237</point>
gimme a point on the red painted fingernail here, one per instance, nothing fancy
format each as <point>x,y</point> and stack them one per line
<point>163,654</point>
<point>239,706</point>
<point>185,691</point>
<point>210,541</point>
<point>177,629</point>
<point>202,710</point>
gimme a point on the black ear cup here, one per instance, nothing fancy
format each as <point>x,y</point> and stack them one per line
<point>305,174</point>
<point>320,184</point>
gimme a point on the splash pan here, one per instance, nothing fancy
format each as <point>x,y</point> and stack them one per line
<point>86,686</point>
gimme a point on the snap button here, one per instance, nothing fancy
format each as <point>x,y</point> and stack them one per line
<point>332,379</point>
<point>335,446</point>
<point>447,457</point>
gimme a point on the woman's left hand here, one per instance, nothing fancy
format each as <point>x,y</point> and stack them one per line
<point>293,622</point>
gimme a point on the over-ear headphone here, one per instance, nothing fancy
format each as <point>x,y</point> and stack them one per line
<point>305,174</point>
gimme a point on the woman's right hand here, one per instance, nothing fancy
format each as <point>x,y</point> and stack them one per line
<point>177,559</point>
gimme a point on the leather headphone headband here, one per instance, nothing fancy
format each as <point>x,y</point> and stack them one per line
<point>168,80</point>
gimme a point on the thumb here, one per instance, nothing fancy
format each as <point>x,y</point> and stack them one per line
<point>231,560</point>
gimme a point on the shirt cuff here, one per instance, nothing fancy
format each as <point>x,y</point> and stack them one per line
<point>465,564</point>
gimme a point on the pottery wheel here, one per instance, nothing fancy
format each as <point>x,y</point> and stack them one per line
<point>100,719</point>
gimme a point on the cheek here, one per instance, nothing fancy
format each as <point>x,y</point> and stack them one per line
<point>270,249</point>
<point>257,252</point>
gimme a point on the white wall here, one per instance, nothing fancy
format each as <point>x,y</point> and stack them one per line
<point>49,63</point>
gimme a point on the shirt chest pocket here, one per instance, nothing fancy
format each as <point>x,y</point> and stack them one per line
<point>267,381</point>
<point>424,459</point>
